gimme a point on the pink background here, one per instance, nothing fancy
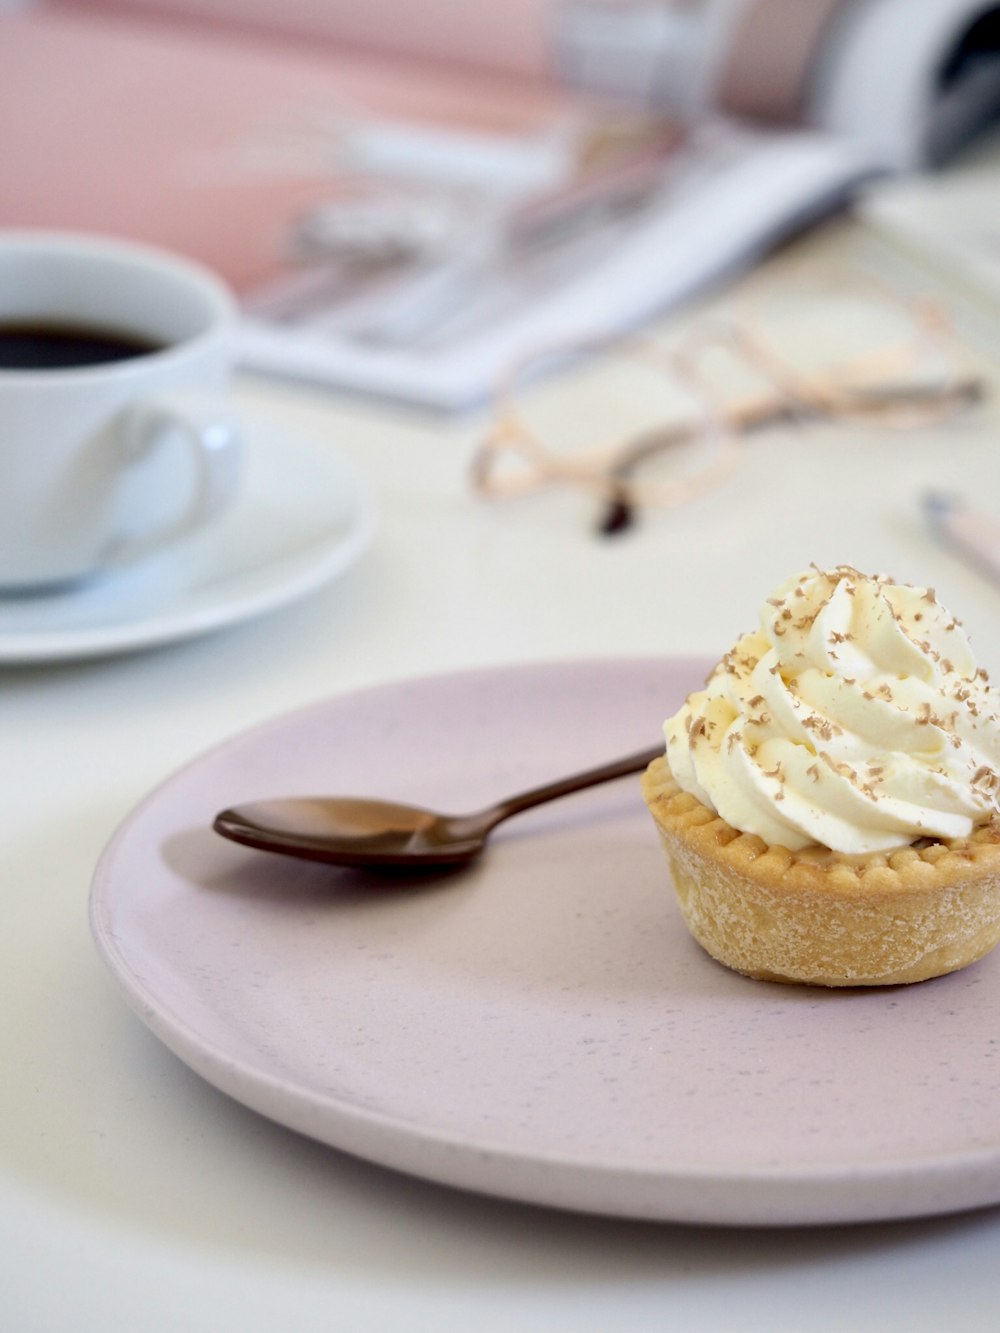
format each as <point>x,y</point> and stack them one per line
<point>141,128</point>
<point>509,35</point>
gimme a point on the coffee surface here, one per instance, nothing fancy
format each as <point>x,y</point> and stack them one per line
<point>29,346</point>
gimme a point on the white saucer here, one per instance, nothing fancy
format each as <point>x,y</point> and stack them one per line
<point>303,516</point>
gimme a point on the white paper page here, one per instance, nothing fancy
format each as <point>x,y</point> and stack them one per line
<point>952,218</point>
<point>747,189</point>
<point>878,80</point>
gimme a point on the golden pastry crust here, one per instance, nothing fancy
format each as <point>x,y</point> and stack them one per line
<point>821,918</point>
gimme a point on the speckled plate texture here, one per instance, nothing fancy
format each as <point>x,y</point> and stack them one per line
<point>541,1026</point>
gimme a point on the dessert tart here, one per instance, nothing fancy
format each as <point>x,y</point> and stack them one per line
<point>828,802</point>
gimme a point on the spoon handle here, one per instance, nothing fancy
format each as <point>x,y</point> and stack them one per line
<point>633,763</point>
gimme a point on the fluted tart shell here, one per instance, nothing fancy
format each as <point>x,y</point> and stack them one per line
<point>820,918</point>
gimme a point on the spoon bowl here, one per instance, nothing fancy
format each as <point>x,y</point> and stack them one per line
<point>384,835</point>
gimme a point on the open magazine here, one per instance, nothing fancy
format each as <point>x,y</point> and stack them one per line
<point>409,197</point>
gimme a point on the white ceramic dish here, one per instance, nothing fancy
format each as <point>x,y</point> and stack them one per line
<point>540,1027</point>
<point>302,517</point>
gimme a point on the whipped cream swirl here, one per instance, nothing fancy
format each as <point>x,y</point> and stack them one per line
<point>854,717</point>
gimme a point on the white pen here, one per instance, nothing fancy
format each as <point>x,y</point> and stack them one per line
<point>967,531</point>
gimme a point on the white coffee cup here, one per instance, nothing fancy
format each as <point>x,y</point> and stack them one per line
<point>102,464</point>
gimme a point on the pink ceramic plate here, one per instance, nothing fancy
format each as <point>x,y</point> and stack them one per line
<point>540,1027</point>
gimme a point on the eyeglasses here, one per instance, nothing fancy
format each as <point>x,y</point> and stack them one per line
<point>848,351</point>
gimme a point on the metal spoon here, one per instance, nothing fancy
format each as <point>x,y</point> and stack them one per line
<point>355,831</point>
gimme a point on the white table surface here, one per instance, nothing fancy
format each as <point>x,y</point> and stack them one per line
<point>133,1195</point>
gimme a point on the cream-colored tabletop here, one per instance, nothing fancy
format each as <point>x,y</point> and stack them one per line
<point>133,1195</point>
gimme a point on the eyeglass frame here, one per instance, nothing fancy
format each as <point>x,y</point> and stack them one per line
<point>800,398</point>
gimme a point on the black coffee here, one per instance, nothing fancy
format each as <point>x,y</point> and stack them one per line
<point>25,346</point>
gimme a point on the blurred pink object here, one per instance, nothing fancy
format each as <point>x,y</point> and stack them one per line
<point>509,36</point>
<point>172,134</point>
<point>969,532</point>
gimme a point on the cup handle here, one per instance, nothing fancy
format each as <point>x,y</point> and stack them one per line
<point>208,427</point>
